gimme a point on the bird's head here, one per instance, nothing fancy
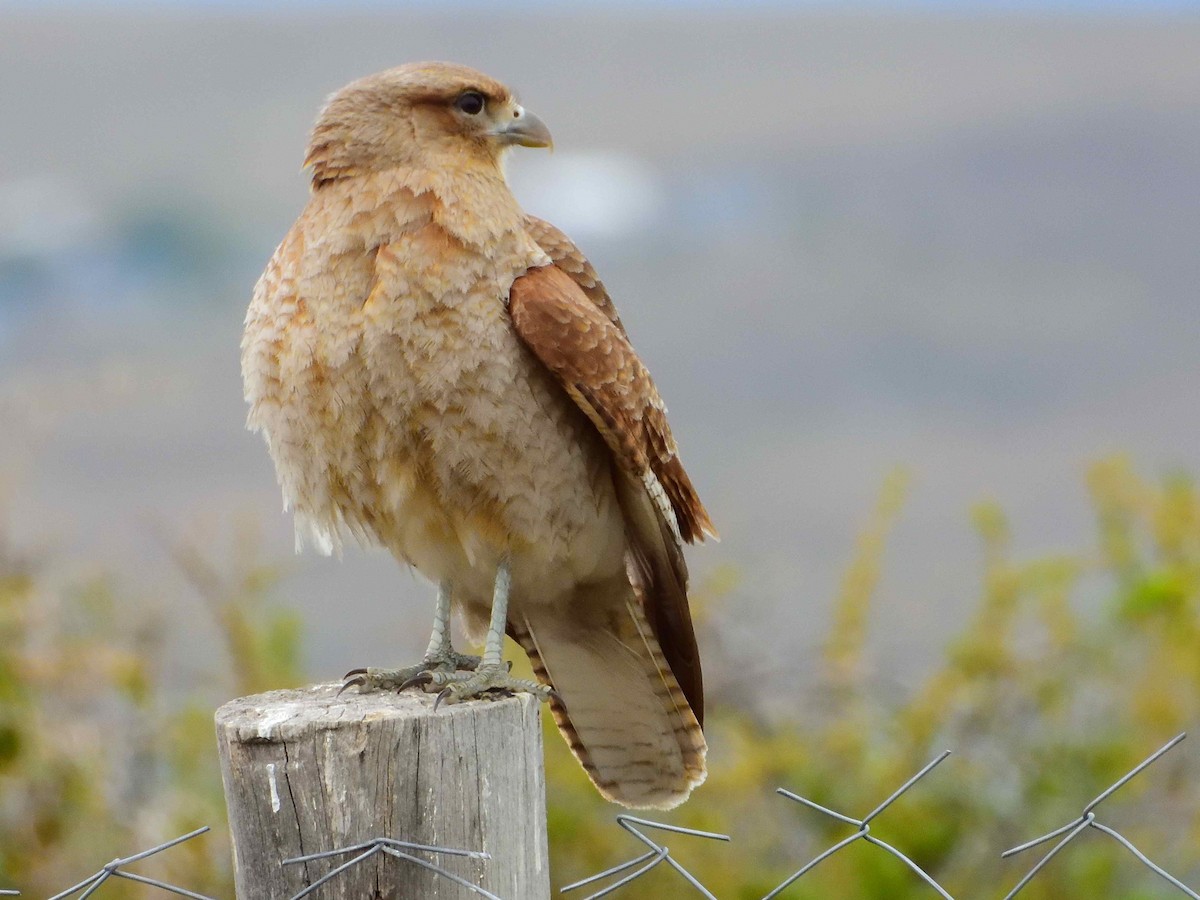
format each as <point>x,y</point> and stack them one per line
<point>424,115</point>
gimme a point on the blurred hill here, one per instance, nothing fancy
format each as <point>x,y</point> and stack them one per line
<point>961,243</point>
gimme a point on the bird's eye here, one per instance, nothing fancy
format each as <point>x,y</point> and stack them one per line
<point>470,102</point>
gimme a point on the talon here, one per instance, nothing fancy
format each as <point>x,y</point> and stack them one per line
<point>459,678</point>
<point>420,679</point>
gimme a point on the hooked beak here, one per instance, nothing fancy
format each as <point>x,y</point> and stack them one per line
<point>524,129</point>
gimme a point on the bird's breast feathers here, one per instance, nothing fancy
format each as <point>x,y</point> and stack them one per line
<point>399,404</point>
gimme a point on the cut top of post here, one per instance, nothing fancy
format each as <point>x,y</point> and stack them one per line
<point>287,714</point>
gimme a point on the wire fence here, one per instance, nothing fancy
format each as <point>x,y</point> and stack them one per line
<point>114,870</point>
<point>658,853</point>
<point>1086,819</point>
<point>397,850</point>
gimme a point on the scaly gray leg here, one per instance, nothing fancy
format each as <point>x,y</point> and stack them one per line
<point>439,657</point>
<point>491,675</point>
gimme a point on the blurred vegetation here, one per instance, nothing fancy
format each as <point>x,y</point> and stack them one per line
<point>1073,668</point>
<point>101,753</point>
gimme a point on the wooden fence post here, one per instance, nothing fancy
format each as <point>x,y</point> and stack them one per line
<point>306,771</point>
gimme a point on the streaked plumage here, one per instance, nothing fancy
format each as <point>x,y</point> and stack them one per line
<point>438,372</point>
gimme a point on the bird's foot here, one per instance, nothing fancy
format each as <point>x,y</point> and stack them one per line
<point>448,662</point>
<point>485,682</point>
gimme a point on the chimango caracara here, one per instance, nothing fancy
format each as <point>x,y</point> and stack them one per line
<point>439,372</point>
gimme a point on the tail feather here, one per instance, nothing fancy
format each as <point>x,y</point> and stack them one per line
<point>619,708</point>
<point>658,573</point>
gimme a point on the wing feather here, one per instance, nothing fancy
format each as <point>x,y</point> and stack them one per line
<point>593,359</point>
<point>566,256</point>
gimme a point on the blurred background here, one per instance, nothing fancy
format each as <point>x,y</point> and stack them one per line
<point>909,276</point>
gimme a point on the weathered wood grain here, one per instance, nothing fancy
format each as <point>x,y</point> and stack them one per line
<point>306,771</point>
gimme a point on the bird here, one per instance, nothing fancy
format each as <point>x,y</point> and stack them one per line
<point>440,373</point>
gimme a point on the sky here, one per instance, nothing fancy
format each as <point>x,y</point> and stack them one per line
<point>968,6</point>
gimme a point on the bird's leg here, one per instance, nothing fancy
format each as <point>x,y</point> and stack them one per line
<point>492,673</point>
<point>493,644</point>
<point>440,656</point>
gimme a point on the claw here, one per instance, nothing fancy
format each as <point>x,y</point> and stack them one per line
<point>359,681</point>
<point>421,679</point>
<point>355,672</point>
<point>440,697</point>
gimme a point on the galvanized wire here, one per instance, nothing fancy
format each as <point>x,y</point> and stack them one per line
<point>396,849</point>
<point>1087,819</point>
<point>656,855</point>
<point>113,870</point>
<point>864,828</point>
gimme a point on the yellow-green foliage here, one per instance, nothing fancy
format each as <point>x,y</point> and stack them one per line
<point>1073,667</point>
<point>99,757</point>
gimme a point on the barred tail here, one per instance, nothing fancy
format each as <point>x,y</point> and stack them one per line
<point>619,708</point>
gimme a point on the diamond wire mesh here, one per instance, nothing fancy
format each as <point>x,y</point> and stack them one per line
<point>658,853</point>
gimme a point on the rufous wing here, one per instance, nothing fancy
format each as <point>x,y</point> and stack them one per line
<point>590,355</point>
<point>570,259</point>
<point>592,358</point>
